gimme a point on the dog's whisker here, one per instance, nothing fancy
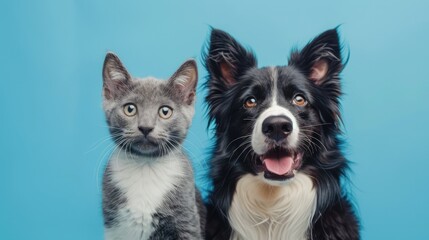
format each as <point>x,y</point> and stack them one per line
<point>316,125</point>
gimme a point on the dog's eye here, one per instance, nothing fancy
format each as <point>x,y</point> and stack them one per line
<point>165,112</point>
<point>130,109</point>
<point>250,102</point>
<point>299,100</point>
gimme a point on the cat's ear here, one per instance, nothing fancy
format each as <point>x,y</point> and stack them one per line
<point>116,78</point>
<point>320,60</point>
<point>226,58</point>
<point>183,83</point>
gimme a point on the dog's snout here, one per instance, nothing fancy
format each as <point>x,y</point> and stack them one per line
<point>277,127</point>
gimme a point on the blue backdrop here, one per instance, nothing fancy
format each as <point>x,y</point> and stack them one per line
<point>53,135</point>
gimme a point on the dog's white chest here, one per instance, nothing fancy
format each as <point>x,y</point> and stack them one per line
<point>145,186</point>
<point>262,211</point>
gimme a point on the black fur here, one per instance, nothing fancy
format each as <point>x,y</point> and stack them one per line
<point>233,76</point>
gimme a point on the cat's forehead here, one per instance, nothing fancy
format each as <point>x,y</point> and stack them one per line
<point>149,88</point>
<point>149,83</point>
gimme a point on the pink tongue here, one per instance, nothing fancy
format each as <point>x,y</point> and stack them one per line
<point>279,166</point>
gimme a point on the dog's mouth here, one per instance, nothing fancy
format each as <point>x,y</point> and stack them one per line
<point>279,164</point>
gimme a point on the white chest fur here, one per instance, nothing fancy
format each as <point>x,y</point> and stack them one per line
<point>263,211</point>
<point>144,183</point>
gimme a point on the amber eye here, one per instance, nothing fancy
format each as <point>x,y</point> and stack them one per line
<point>250,102</point>
<point>299,100</point>
<point>165,112</point>
<point>130,109</point>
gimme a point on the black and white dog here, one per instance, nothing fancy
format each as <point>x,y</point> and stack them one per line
<point>277,163</point>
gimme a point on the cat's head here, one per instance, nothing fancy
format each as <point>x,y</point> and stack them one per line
<point>148,116</point>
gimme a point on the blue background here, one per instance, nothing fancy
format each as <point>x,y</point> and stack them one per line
<point>54,141</point>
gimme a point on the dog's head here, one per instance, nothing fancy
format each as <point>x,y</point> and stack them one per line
<point>274,121</point>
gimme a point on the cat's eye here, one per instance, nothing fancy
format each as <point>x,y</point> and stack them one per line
<point>250,102</point>
<point>299,100</point>
<point>130,109</point>
<point>165,112</point>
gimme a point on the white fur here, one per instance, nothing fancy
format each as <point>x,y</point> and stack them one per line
<point>116,75</point>
<point>263,211</point>
<point>182,80</point>
<point>274,78</point>
<point>145,184</point>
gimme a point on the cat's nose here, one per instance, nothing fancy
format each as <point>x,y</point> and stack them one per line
<point>145,130</point>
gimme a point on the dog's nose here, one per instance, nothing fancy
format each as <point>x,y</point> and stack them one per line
<point>277,127</point>
<point>145,130</point>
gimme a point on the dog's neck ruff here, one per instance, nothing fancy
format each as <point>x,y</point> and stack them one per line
<point>263,211</point>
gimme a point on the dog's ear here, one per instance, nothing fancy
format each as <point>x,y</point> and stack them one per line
<point>226,58</point>
<point>184,82</point>
<point>116,78</point>
<point>320,60</point>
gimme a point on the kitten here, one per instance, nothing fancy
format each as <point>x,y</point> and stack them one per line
<point>148,185</point>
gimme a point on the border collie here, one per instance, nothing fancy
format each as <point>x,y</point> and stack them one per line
<point>277,164</point>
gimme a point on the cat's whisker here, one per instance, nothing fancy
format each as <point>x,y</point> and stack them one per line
<point>202,161</point>
<point>176,146</point>
<point>99,142</point>
<point>176,140</point>
<point>110,149</point>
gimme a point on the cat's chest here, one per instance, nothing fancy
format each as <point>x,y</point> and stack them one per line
<point>144,187</point>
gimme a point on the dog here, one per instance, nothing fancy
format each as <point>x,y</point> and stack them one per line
<point>277,166</point>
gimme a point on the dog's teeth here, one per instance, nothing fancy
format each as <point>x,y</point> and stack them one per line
<point>294,171</point>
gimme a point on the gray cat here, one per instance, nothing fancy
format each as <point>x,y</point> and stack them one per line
<point>148,185</point>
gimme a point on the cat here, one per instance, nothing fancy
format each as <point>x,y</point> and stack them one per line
<point>148,186</point>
